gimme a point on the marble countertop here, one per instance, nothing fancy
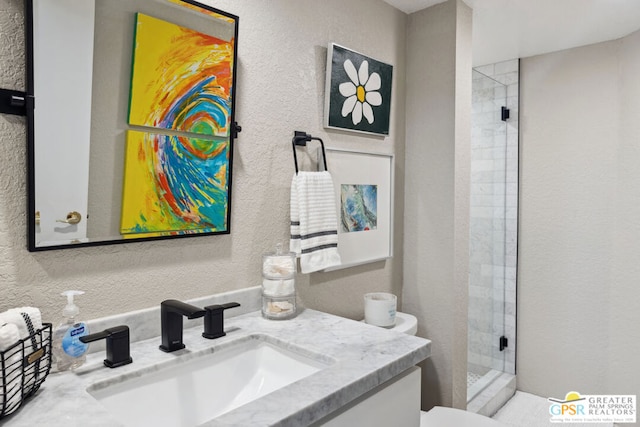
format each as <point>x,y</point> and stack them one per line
<point>364,357</point>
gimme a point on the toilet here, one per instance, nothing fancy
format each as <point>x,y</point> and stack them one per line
<point>440,416</point>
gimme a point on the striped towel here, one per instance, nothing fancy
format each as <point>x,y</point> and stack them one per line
<point>314,223</point>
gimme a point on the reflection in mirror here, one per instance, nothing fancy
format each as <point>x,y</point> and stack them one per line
<point>132,134</point>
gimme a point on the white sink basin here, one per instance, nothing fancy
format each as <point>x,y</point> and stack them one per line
<point>200,389</point>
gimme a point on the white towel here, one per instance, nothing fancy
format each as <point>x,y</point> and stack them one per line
<point>16,317</point>
<point>314,223</point>
<point>27,320</point>
<point>278,287</point>
<point>12,375</point>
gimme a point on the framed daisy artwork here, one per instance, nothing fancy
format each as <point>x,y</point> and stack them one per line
<point>357,92</point>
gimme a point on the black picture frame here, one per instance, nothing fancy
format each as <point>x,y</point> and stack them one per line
<point>33,215</point>
<point>357,92</point>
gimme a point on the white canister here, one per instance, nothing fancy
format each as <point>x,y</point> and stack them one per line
<point>380,309</point>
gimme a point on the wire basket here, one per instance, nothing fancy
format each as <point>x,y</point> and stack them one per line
<point>24,367</point>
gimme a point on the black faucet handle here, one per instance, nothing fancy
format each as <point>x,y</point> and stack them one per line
<point>214,319</point>
<point>182,308</point>
<point>118,347</point>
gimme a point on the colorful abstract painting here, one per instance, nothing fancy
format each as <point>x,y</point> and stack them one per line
<point>174,184</point>
<point>181,79</point>
<point>358,207</point>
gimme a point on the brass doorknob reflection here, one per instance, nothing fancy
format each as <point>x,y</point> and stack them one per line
<point>72,218</point>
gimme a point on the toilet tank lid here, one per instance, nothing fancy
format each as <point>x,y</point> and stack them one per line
<point>406,323</point>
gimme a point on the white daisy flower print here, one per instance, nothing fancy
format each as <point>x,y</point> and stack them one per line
<point>361,92</point>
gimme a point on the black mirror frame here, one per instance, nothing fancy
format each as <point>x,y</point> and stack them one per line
<point>30,169</point>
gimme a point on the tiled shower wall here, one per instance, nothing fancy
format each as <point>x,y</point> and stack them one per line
<point>494,198</point>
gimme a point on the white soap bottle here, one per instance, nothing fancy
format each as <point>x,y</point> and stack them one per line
<point>69,352</point>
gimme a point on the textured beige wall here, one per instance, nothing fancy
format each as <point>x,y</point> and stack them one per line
<point>462,206</point>
<point>436,243</point>
<point>579,250</point>
<point>281,68</point>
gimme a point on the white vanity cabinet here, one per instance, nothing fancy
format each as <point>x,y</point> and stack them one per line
<point>394,403</point>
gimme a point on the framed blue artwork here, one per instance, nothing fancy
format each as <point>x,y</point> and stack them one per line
<point>357,92</point>
<point>363,183</point>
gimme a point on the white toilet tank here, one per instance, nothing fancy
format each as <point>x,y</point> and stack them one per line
<point>439,416</point>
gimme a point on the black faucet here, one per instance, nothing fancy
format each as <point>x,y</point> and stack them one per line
<point>171,312</point>
<point>214,320</point>
<point>117,345</point>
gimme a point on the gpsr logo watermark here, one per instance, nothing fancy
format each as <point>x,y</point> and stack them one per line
<point>576,408</point>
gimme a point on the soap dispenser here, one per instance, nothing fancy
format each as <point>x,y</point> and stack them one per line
<point>68,350</point>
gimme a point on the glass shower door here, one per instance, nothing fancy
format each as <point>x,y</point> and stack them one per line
<point>486,336</point>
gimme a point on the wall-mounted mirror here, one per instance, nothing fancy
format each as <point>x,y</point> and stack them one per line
<point>131,120</point>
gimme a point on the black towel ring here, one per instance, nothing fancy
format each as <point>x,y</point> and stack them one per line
<point>301,139</point>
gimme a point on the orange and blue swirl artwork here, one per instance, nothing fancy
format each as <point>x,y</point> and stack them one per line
<point>174,184</point>
<point>181,79</point>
